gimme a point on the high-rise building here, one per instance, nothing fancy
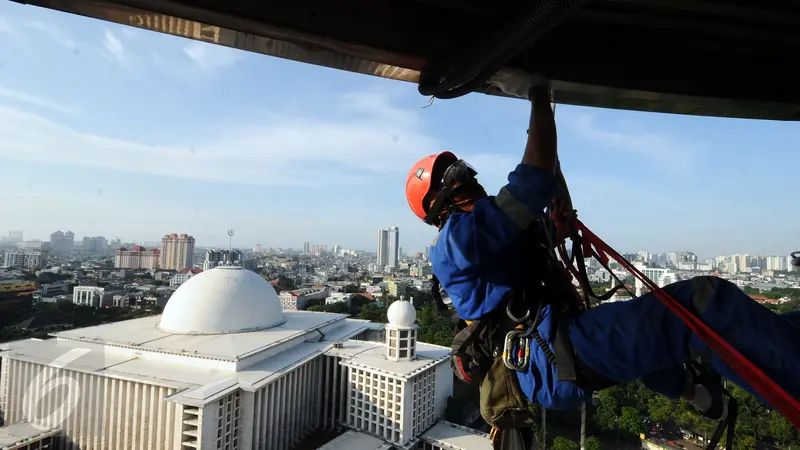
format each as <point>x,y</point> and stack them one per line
<point>307,247</point>
<point>177,252</point>
<point>26,259</point>
<point>15,236</point>
<point>216,258</point>
<point>94,244</point>
<point>388,247</point>
<point>61,243</point>
<point>137,257</point>
<point>383,248</point>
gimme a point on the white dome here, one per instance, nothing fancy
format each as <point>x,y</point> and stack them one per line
<point>402,314</point>
<point>225,299</point>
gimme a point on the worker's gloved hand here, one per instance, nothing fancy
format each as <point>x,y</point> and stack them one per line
<point>516,82</point>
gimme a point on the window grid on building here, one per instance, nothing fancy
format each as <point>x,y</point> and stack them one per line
<point>228,422</point>
<point>376,403</point>
<point>402,343</point>
<point>424,402</point>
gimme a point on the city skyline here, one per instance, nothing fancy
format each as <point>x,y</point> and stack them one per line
<point>383,236</point>
<point>293,150</point>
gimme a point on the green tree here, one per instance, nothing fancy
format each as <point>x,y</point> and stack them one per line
<point>351,289</point>
<point>661,408</point>
<point>373,313</point>
<point>631,420</point>
<point>781,429</point>
<point>592,443</point>
<point>338,307</point>
<point>562,443</point>
<point>607,412</point>
<point>286,284</point>
<point>358,302</point>
<point>746,442</point>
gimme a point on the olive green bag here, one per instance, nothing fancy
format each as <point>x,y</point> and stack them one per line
<point>503,404</point>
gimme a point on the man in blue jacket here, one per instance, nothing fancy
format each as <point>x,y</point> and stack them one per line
<point>475,258</point>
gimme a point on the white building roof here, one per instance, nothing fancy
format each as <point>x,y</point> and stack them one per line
<point>200,367</point>
<point>372,356</point>
<point>225,299</point>
<point>20,433</point>
<point>144,335</point>
<point>356,440</point>
<point>450,436</point>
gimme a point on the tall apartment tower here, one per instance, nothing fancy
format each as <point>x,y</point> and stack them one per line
<point>177,252</point>
<point>389,247</point>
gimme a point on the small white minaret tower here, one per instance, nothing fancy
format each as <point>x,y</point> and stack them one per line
<point>401,331</point>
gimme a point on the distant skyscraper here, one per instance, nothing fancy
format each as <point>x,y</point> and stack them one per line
<point>389,247</point>
<point>307,247</point>
<point>383,248</point>
<point>394,247</point>
<point>61,243</point>
<point>94,244</point>
<point>15,236</point>
<point>177,252</point>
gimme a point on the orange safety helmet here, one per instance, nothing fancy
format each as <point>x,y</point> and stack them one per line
<point>420,184</point>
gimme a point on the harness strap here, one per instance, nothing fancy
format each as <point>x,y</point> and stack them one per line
<point>729,423</point>
<point>565,354</point>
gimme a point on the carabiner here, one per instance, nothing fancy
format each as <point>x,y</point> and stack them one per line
<point>515,318</point>
<point>517,350</point>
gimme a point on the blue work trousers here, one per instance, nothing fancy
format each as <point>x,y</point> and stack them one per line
<point>642,339</point>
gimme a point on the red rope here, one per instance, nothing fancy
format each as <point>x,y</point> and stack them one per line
<point>764,385</point>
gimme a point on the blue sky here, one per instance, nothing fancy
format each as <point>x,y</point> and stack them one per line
<point>110,130</point>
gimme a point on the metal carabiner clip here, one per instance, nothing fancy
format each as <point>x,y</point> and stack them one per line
<point>515,318</point>
<point>517,350</point>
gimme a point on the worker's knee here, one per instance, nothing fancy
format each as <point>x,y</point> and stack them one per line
<point>704,291</point>
<point>699,293</point>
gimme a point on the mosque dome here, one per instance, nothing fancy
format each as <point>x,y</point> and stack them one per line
<point>225,299</point>
<point>402,314</point>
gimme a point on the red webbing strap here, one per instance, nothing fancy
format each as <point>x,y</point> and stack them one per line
<point>764,385</point>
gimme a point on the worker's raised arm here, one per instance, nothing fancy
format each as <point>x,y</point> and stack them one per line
<point>532,185</point>
<point>542,148</point>
<point>496,223</point>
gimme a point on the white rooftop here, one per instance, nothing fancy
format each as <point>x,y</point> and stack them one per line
<point>144,334</point>
<point>455,437</point>
<point>19,433</point>
<point>225,299</point>
<point>372,356</point>
<point>356,440</point>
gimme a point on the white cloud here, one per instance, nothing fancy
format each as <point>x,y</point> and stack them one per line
<point>355,148</point>
<point>211,56</point>
<point>658,147</point>
<point>365,140</point>
<point>35,101</point>
<point>114,46</point>
<point>55,33</point>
